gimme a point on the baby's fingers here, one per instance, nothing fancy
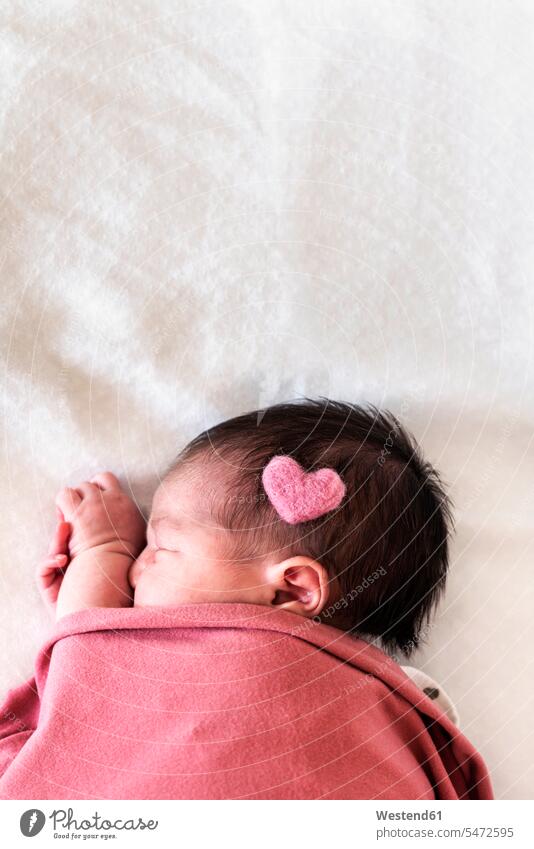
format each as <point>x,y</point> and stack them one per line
<point>59,542</point>
<point>68,500</point>
<point>49,578</point>
<point>48,568</point>
<point>106,480</point>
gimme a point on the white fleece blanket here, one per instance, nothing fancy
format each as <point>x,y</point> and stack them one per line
<point>212,206</point>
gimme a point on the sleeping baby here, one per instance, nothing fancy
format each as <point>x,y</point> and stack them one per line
<point>243,644</point>
<point>295,512</point>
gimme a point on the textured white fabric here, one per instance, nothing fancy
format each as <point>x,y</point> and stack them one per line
<point>212,206</point>
<point>434,691</point>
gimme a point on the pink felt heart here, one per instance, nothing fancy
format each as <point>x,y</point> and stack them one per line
<point>298,496</point>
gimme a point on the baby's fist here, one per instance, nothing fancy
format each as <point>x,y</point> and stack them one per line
<point>101,513</point>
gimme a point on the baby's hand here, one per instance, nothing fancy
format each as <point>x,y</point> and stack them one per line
<point>100,533</point>
<point>51,570</point>
<point>101,514</point>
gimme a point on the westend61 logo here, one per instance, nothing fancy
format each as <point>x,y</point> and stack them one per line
<point>66,826</point>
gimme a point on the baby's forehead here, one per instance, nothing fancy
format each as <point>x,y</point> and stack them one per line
<point>186,495</point>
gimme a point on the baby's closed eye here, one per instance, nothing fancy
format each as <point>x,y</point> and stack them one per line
<point>160,547</point>
<point>156,543</point>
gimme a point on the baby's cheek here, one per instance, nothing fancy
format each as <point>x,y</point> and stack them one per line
<point>174,579</point>
<point>164,574</point>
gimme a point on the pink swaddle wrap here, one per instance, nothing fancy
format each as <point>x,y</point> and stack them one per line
<point>225,701</point>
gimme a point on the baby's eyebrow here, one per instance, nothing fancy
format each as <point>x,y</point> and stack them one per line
<point>165,518</point>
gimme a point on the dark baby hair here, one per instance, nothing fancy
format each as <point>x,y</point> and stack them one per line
<point>385,547</point>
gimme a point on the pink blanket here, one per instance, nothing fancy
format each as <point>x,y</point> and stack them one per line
<point>224,701</point>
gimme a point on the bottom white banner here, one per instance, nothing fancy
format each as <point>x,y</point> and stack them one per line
<point>264,825</point>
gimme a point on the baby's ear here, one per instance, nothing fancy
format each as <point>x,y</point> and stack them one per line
<point>299,584</point>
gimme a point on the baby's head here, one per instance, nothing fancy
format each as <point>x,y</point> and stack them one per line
<point>376,564</point>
